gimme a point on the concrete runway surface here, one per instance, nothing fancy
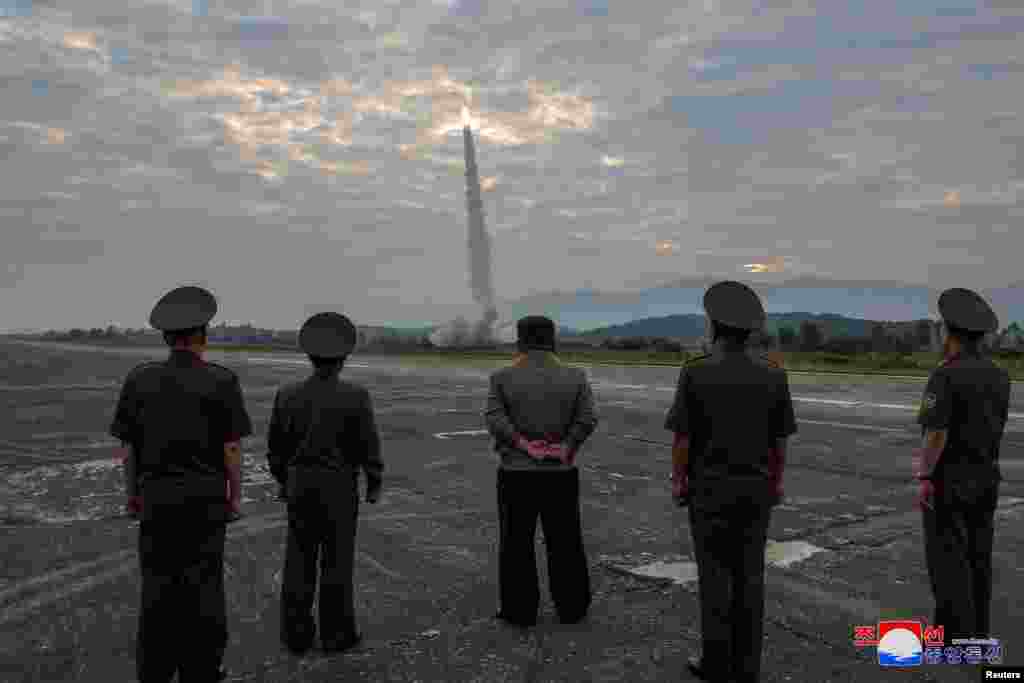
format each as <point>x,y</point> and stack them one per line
<point>846,545</point>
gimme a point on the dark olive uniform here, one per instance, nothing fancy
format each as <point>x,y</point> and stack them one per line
<point>177,415</point>
<point>733,403</point>
<point>322,432</point>
<point>969,396</point>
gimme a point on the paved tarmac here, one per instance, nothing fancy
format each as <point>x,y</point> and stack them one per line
<point>846,544</point>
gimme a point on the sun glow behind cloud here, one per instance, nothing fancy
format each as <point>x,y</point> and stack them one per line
<point>256,128</point>
<point>776,265</point>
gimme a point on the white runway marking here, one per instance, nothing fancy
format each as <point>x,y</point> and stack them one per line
<point>847,425</point>
<point>61,387</point>
<point>378,566</point>
<point>471,432</point>
<point>440,463</point>
<point>294,361</point>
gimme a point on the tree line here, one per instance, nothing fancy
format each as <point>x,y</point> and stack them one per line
<point>808,337</point>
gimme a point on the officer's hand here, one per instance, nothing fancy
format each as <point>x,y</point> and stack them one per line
<point>539,449</point>
<point>926,495</point>
<point>559,451</point>
<point>134,505</point>
<point>681,491</point>
<point>566,454</point>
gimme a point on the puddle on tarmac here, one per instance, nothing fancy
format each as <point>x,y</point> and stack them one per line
<point>679,572</point>
<point>775,554</point>
<point>790,552</point>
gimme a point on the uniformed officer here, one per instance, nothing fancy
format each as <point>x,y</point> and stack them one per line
<point>182,420</point>
<point>322,432</point>
<point>962,416</point>
<point>540,413</point>
<point>733,412</point>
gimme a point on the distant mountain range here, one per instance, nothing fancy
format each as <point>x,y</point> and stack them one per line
<point>691,326</point>
<point>679,304</point>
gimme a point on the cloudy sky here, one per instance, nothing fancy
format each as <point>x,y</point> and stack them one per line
<point>295,155</point>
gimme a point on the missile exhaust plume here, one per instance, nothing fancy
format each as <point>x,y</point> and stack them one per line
<point>459,332</point>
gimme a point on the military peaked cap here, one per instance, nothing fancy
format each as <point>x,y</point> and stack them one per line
<point>536,332</point>
<point>734,304</point>
<point>328,335</point>
<point>182,309</point>
<point>966,310</point>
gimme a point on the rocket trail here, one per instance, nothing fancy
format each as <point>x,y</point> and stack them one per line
<point>480,273</point>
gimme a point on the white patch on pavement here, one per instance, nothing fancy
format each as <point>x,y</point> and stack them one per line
<point>775,554</point>
<point>680,572</point>
<point>790,552</point>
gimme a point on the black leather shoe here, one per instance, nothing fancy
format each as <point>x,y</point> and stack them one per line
<point>222,675</point>
<point>348,644</point>
<point>696,668</point>
<point>573,619</point>
<point>515,622</point>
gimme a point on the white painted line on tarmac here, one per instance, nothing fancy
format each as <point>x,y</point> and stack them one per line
<point>61,387</point>
<point>294,361</point>
<point>378,566</point>
<point>440,463</point>
<point>847,425</point>
<point>471,432</point>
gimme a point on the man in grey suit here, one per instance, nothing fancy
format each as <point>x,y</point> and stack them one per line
<point>540,412</point>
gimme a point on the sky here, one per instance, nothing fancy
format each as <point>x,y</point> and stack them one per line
<point>300,156</point>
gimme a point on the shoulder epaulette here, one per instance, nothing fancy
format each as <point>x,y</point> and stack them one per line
<point>142,366</point>
<point>696,359</point>
<point>769,360</point>
<point>222,368</point>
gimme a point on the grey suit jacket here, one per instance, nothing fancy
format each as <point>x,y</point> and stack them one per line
<point>540,399</point>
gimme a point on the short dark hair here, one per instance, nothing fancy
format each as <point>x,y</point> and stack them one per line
<point>734,334</point>
<point>193,335</point>
<point>968,337</point>
<point>320,362</point>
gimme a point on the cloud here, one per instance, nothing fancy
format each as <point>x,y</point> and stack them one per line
<point>828,137</point>
<point>80,40</point>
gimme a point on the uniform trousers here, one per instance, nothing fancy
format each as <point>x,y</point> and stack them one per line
<point>183,622</point>
<point>729,543</point>
<point>555,498</point>
<point>958,536</point>
<point>323,511</point>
